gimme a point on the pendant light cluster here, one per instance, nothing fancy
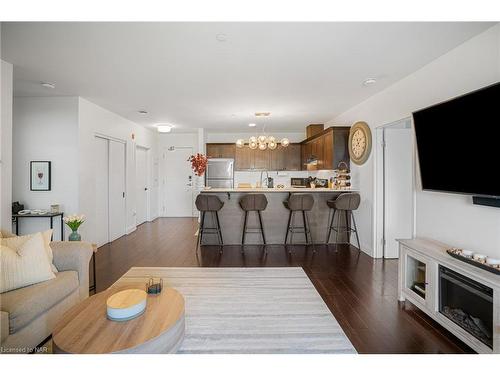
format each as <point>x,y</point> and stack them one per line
<point>262,142</point>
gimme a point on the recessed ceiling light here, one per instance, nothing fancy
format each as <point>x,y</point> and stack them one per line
<point>221,37</point>
<point>369,81</point>
<point>252,125</point>
<point>48,85</point>
<point>262,114</point>
<point>142,112</point>
<point>164,128</point>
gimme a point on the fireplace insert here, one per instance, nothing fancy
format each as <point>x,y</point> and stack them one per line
<point>467,303</point>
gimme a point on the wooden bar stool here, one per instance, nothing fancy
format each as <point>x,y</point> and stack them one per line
<point>257,203</point>
<point>209,203</point>
<point>299,203</point>
<point>344,204</point>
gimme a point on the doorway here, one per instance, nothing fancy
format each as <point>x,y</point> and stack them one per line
<point>178,189</point>
<point>395,191</point>
<point>141,185</point>
<point>110,190</point>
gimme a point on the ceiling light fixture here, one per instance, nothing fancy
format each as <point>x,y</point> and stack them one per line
<point>252,125</point>
<point>262,142</point>
<point>369,81</point>
<point>48,85</point>
<point>221,37</point>
<point>262,114</point>
<point>142,112</point>
<point>164,128</point>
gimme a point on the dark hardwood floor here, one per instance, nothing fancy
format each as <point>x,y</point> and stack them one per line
<point>360,291</point>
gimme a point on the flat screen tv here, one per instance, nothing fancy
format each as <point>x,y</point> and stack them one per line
<point>458,144</point>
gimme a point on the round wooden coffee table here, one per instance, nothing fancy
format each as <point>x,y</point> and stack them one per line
<point>86,329</point>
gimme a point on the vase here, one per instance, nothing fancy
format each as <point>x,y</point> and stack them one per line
<point>75,236</point>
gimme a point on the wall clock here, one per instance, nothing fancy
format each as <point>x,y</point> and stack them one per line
<point>360,142</point>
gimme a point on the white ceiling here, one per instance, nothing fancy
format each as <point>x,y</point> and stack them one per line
<point>181,74</point>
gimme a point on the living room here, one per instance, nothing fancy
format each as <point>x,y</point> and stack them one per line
<point>250,188</point>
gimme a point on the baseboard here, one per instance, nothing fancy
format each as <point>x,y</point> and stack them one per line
<point>131,229</point>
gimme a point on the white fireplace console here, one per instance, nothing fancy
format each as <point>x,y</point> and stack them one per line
<point>421,262</point>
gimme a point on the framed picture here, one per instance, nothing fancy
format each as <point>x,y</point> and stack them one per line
<point>40,175</point>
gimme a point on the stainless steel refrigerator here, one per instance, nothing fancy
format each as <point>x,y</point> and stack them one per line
<point>220,173</point>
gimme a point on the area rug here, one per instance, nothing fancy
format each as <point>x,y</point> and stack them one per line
<point>250,310</point>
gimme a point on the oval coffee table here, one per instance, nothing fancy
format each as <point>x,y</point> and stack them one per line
<point>86,329</point>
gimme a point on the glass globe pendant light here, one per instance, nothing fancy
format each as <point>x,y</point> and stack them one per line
<point>240,143</point>
<point>285,142</point>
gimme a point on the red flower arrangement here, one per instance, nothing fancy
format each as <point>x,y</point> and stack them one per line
<point>198,164</point>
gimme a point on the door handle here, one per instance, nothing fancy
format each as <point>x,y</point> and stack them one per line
<point>145,189</point>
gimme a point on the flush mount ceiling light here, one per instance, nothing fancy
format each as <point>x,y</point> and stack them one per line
<point>48,85</point>
<point>252,125</point>
<point>262,114</point>
<point>164,128</point>
<point>221,37</point>
<point>142,112</point>
<point>369,81</point>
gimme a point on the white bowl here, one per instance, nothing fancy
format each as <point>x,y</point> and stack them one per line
<point>492,261</point>
<point>467,253</point>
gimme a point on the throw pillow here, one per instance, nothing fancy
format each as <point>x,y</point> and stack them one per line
<point>24,265</point>
<point>16,241</point>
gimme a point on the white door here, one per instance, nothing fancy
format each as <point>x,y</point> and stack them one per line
<point>141,178</point>
<point>117,210</point>
<point>179,182</point>
<point>101,191</point>
<point>398,187</point>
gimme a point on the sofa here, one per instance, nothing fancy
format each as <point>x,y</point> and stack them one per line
<point>29,314</point>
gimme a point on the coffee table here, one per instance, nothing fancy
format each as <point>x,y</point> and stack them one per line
<point>86,329</point>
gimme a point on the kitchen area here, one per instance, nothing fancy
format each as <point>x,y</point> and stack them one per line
<point>318,166</point>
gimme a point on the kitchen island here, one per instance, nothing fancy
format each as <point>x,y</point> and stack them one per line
<point>274,218</point>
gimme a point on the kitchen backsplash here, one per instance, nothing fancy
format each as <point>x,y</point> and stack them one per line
<point>281,177</point>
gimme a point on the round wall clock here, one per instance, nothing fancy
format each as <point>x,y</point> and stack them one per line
<point>360,142</point>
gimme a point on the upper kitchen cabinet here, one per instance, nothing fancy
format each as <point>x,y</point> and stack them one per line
<point>329,147</point>
<point>221,150</point>
<point>285,158</point>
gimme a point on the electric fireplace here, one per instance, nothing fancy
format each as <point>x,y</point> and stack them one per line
<point>467,303</point>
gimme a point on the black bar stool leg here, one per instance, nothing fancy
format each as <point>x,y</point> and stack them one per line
<point>356,231</point>
<point>305,226</point>
<point>244,229</point>
<point>337,232</point>
<point>261,228</point>
<point>200,231</point>
<point>309,230</point>
<point>288,226</point>
<point>347,228</point>
<point>292,228</point>
<point>219,230</point>
<point>330,227</point>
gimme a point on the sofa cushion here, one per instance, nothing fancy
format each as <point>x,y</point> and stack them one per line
<point>25,304</point>
<point>14,241</point>
<point>4,325</point>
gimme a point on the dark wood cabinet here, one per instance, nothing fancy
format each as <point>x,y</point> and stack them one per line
<point>329,147</point>
<point>221,150</point>
<point>243,160</point>
<point>285,158</point>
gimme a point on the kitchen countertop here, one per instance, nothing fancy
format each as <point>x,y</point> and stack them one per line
<point>276,190</point>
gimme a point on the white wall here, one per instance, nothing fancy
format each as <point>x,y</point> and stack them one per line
<point>6,72</point>
<point>96,120</point>
<point>445,217</point>
<point>45,128</point>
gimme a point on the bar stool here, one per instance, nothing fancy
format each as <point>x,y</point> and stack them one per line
<point>257,203</point>
<point>209,203</point>
<point>303,203</point>
<point>345,203</point>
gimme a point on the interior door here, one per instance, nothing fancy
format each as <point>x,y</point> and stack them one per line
<point>102,191</point>
<point>117,210</point>
<point>398,188</point>
<point>142,192</point>
<point>179,182</point>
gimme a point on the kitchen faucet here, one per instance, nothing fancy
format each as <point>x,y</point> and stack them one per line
<point>267,177</point>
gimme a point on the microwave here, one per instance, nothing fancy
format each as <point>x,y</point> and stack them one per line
<point>299,182</point>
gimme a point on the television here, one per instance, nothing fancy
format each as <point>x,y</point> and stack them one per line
<point>458,144</point>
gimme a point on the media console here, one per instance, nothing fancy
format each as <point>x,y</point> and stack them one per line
<point>462,298</point>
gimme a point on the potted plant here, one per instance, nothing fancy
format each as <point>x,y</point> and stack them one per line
<point>74,222</point>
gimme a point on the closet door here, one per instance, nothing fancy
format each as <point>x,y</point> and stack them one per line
<point>102,191</point>
<point>117,211</point>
